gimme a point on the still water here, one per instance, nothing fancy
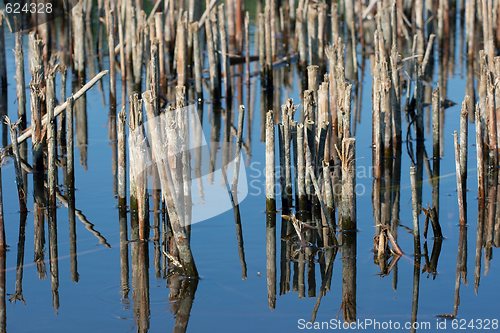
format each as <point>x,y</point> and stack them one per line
<point>223,300</point>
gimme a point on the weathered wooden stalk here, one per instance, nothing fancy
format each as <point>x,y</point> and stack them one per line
<point>110,19</point>
<point>122,157</point>
<point>347,211</point>
<point>301,170</point>
<point>415,210</point>
<point>168,191</point>
<point>51,140</point>
<point>270,163</point>
<point>460,188</point>
<point>197,60</point>
<point>137,153</point>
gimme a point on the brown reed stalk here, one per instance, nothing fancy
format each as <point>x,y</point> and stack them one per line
<point>464,130</point>
<point>300,27</point>
<point>347,211</point>
<point>226,68</point>
<point>239,143</point>
<point>436,160</point>
<point>137,153</point>
<point>270,163</point>
<point>122,159</point>
<point>110,20</point>
<point>20,81</point>
<point>480,155</point>
<point>78,40</point>
<point>415,210</point>
<point>301,169</point>
<point>460,189</point>
<point>182,50</point>
<point>214,78</point>
<point>261,40</point>
<point>197,60</point>
<point>51,139</point>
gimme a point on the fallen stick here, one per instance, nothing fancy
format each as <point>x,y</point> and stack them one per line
<point>60,108</point>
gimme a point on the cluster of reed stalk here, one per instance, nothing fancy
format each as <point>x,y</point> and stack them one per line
<point>181,53</point>
<point>402,69</point>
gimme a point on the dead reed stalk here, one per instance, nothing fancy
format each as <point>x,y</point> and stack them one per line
<point>270,163</point>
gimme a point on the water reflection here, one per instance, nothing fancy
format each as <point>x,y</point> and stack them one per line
<point>307,245</point>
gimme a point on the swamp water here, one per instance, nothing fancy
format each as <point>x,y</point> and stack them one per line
<point>222,300</point>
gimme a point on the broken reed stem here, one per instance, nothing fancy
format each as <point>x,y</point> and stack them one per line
<point>328,230</point>
<point>428,52</point>
<point>328,192</point>
<point>247,48</point>
<point>268,39</point>
<point>214,79</point>
<point>185,161</point>
<point>460,188</point>
<point>60,108</point>
<point>20,84</point>
<point>491,122</point>
<point>197,61</point>
<point>52,185</point>
<point>226,68</point>
<point>436,127</point>
<point>78,32</point>
<point>261,40</point>
<point>320,155</point>
<point>122,156</point>
<point>37,75</point>
<point>436,160</point>
<point>154,81</point>
<point>137,151</point>
<point>159,30</point>
<point>479,155</point>
<point>312,78</point>
<point>286,114</point>
<point>270,163</point>
<point>347,212</point>
<point>110,15</point>
<point>300,28</point>
<point>301,169</point>
<point>206,13</point>
<point>61,124</point>
<point>239,143</point>
<point>464,116</point>
<point>182,50</point>
<point>51,139</point>
<point>123,70</point>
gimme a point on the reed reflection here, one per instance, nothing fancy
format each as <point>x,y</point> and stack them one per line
<point>317,148</point>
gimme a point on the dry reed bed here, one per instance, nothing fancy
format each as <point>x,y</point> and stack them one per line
<point>172,56</point>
